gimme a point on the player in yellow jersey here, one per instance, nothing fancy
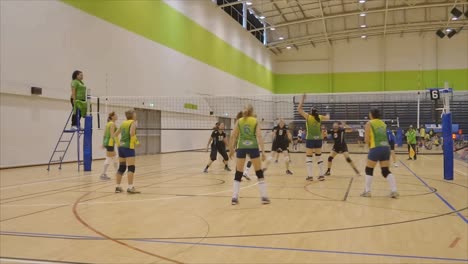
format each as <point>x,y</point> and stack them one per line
<point>313,139</point>
<point>379,152</point>
<point>247,136</point>
<point>109,142</point>
<point>128,142</point>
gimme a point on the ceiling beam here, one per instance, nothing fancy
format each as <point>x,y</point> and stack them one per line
<point>279,11</point>
<point>370,30</point>
<point>370,11</point>
<point>385,18</point>
<point>324,22</point>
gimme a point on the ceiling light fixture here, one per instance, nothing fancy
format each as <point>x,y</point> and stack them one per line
<point>261,17</point>
<point>362,1</point>
<point>454,18</point>
<point>362,14</point>
<point>248,3</point>
<point>363,36</point>
<point>272,28</point>
<point>363,26</point>
<point>280,38</point>
<point>288,47</point>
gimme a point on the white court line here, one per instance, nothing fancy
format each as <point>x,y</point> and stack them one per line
<point>48,180</point>
<point>117,202</point>
<point>9,260</point>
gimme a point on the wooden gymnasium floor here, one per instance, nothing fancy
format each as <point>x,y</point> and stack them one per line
<point>185,216</point>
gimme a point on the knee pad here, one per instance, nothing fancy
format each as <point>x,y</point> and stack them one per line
<point>122,168</point>
<point>238,176</point>
<point>369,171</point>
<point>249,164</point>
<point>309,159</point>
<point>270,158</point>
<point>348,160</point>
<point>259,174</point>
<point>131,168</point>
<point>385,172</point>
<point>330,159</point>
<point>318,155</point>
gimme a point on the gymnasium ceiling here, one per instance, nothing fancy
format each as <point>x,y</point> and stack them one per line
<point>309,22</point>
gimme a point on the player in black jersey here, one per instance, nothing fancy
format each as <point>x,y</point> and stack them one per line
<point>218,143</point>
<point>339,146</point>
<point>281,140</point>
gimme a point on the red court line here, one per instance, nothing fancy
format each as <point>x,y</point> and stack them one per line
<point>455,242</point>
<point>78,217</point>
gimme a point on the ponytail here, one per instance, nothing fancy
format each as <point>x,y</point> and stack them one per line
<point>248,111</point>
<point>315,114</point>
<point>111,114</point>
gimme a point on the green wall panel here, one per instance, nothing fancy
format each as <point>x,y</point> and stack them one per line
<point>161,23</point>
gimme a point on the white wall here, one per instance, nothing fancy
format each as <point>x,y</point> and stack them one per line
<point>410,52</point>
<point>42,42</point>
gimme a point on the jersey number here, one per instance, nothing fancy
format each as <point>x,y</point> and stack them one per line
<point>435,94</point>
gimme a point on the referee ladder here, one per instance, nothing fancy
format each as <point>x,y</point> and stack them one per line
<point>64,142</point>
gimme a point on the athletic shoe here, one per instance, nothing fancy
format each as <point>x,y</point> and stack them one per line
<point>118,189</point>
<point>132,191</point>
<point>74,128</point>
<point>310,178</point>
<point>321,178</point>
<point>105,177</point>
<point>395,165</point>
<point>246,177</point>
<point>327,173</point>
<point>366,194</point>
<point>234,201</point>
<point>409,159</point>
<point>205,170</point>
<point>227,168</point>
<point>394,195</point>
<point>276,161</point>
<point>288,172</point>
<point>265,200</point>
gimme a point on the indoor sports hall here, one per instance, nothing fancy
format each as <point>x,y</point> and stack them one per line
<point>225,131</point>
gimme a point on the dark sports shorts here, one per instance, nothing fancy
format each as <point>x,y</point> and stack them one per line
<point>242,153</point>
<point>110,148</point>
<point>379,153</point>
<point>126,152</point>
<point>392,145</point>
<point>281,146</point>
<point>221,150</point>
<point>340,148</point>
<point>313,144</point>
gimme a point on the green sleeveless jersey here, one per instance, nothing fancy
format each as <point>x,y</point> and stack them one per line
<point>314,131</point>
<point>247,133</point>
<point>80,90</point>
<point>108,139</point>
<point>378,134</point>
<point>126,141</point>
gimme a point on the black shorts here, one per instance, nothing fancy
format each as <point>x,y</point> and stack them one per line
<point>126,152</point>
<point>280,146</point>
<point>392,145</point>
<point>313,144</point>
<point>221,150</point>
<point>242,153</point>
<point>110,148</point>
<point>379,153</point>
<point>340,148</point>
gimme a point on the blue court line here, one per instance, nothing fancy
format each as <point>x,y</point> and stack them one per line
<point>437,194</point>
<point>63,236</point>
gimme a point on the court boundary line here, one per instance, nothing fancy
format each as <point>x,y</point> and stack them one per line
<point>63,236</point>
<point>437,194</point>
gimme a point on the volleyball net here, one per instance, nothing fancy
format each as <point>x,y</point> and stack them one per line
<point>167,124</point>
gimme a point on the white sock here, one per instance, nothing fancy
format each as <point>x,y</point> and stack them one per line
<point>246,171</point>
<point>267,162</point>
<point>117,185</point>
<point>130,186</point>
<point>392,182</point>
<point>116,162</point>
<point>262,187</point>
<point>235,189</point>
<point>320,164</point>
<point>107,161</point>
<point>310,166</point>
<point>286,160</point>
<point>369,182</point>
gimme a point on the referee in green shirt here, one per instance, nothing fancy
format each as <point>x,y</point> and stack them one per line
<point>411,140</point>
<point>78,97</point>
